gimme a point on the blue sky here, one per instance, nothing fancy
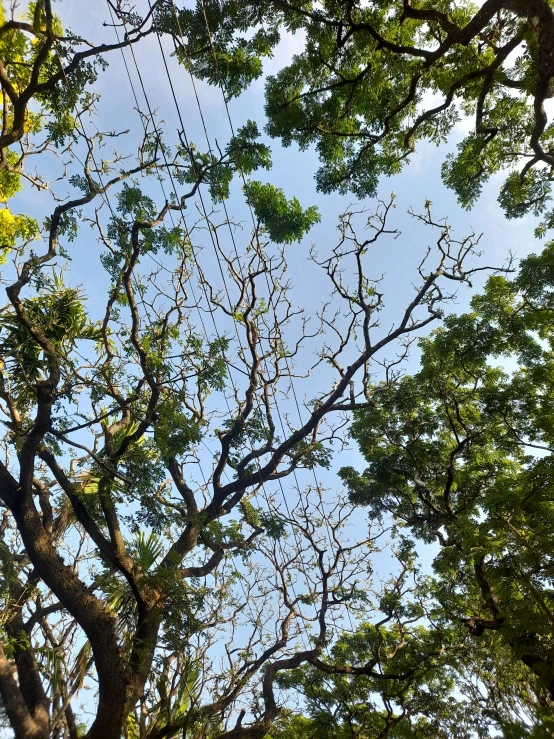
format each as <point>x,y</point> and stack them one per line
<point>294,172</point>
<point>394,259</point>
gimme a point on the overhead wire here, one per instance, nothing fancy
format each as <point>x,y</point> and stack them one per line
<point>289,372</point>
<point>107,201</point>
<point>183,221</point>
<point>228,221</point>
<point>291,384</point>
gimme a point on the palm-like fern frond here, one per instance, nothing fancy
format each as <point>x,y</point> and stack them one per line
<point>145,549</point>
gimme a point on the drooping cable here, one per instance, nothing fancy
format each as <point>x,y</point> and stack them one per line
<point>219,261</point>
<point>289,372</point>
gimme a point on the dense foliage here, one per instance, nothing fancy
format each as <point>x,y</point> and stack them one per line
<point>461,453</point>
<point>374,78</point>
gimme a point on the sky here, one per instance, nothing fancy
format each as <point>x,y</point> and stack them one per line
<point>392,260</point>
<point>395,260</point>
<point>292,170</point>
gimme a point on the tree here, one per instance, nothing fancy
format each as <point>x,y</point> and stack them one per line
<point>464,690</point>
<point>374,78</point>
<point>461,454</point>
<point>141,555</point>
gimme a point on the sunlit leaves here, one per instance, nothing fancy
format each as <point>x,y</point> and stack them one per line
<point>451,456</point>
<point>175,430</point>
<point>10,181</point>
<point>59,314</point>
<point>285,220</point>
<point>15,229</point>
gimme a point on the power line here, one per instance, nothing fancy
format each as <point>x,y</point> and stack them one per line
<point>151,113</point>
<point>219,261</point>
<point>168,169</point>
<point>291,383</point>
<point>238,259</point>
<point>106,200</point>
<point>213,240</point>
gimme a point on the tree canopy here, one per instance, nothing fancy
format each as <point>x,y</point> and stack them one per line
<point>450,454</point>
<point>375,78</point>
<point>170,563</point>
